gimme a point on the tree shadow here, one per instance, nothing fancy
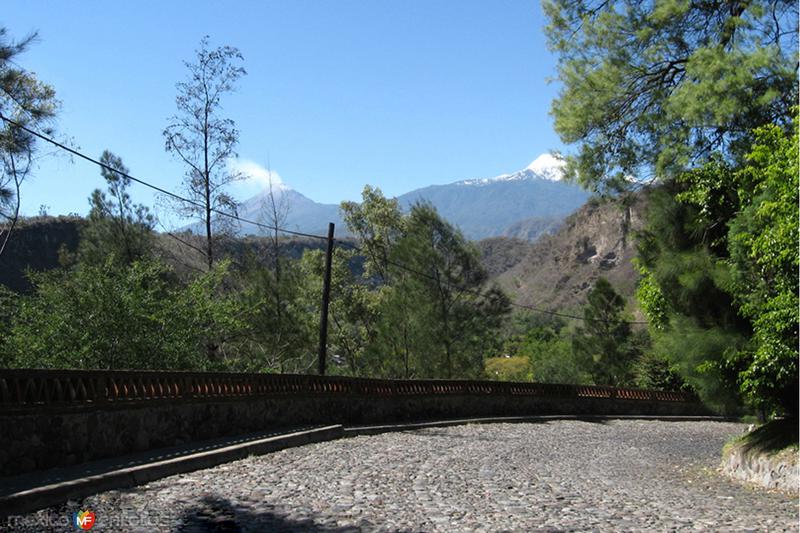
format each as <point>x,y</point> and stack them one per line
<point>218,515</point>
<point>772,437</point>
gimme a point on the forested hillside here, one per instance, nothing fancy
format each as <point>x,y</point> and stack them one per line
<point>36,246</point>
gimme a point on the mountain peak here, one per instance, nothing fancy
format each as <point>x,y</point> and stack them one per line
<point>548,167</point>
<point>255,178</point>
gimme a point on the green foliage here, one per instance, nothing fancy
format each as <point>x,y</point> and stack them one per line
<point>661,85</point>
<point>114,317</point>
<point>446,293</point>
<point>675,255</point>
<point>31,103</point>
<point>516,368</point>
<point>705,358</point>
<point>352,314</point>
<point>553,360</point>
<point>651,299</point>
<point>117,227</point>
<point>654,372</point>
<point>720,261</point>
<point>281,335</point>
<point>764,259</point>
<point>378,224</point>
<point>604,341</point>
<point>430,314</point>
<point>546,343</point>
<point>9,304</point>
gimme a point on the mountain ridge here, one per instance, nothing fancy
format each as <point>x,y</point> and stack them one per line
<point>480,207</point>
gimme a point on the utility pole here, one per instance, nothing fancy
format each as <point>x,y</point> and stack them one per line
<point>326,298</point>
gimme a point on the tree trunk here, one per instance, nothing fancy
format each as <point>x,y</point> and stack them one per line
<point>207,180</point>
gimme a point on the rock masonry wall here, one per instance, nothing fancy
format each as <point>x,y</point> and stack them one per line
<point>49,437</point>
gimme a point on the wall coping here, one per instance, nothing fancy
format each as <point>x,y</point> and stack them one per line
<point>37,389</point>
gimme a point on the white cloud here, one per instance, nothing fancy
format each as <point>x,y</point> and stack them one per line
<point>256,178</point>
<point>548,166</point>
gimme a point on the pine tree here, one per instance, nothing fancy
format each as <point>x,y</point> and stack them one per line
<point>117,227</point>
<point>654,87</point>
<point>205,141</point>
<point>31,103</point>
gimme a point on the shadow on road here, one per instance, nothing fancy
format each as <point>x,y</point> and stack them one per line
<point>218,515</point>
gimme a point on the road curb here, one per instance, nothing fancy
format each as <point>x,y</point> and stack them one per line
<point>354,431</point>
<point>57,493</point>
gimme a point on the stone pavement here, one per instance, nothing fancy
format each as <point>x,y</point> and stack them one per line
<point>623,475</point>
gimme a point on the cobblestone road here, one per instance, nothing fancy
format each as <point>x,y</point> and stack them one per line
<point>555,476</point>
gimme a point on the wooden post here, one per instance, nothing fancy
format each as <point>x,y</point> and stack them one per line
<point>326,297</point>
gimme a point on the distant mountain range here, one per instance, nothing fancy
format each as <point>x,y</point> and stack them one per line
<point>524,204</point>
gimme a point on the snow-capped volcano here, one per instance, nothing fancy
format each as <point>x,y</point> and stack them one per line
<point>544,167</point>
<point>548,167</point>
<point>535,197</point>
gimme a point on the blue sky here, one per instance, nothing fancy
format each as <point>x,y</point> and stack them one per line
<point>397,94</point>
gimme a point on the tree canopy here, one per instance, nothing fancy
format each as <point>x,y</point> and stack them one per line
<point>654,87</point>
<point>205,141</point>
<point>431,313</point>
<point>29,102</point>
<point>721,274</point>
<point>117,227</point>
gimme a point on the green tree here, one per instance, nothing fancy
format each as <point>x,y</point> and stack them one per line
<point>653,371</point>
<point>9,303</point>
<point>511,368</point>
<point>448,282</point>
<point>429,312</point>
<point>205,141</point>
<point>694,325</point>
<point>117,227</point>
<point>112,317</point>
<point>721,249</point>
<point>353,313</point>
<point>31,103</point>
<point>281,336</point>
<point>604,341</point>
<point>763,241</point>
<point>660,86</point>
<point>378,224</point>
<point>545,342</point>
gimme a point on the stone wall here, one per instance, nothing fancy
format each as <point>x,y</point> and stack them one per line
<point>45,437</point>
<point>772,471</point>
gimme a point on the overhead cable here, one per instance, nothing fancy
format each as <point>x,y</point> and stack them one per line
<point>155,187</point>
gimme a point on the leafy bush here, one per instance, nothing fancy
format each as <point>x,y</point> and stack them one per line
<point>113,317</point>
<point>515,368</point>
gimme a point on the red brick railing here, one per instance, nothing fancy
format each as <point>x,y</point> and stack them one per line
<point>42,388</point>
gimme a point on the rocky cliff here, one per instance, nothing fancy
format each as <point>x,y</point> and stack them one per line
<point>558,270</point>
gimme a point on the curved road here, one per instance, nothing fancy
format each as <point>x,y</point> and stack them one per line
<point>630,475</point>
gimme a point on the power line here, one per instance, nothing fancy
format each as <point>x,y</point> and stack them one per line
<point>154,187</point>
<point>267,226</point>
